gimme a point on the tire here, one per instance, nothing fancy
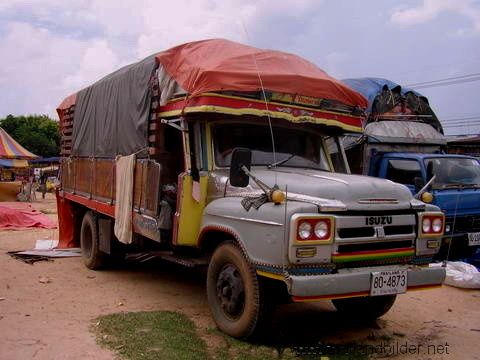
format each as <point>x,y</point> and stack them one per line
<point>93,258</point>
<point>365,308</point>
<point>234,293</point>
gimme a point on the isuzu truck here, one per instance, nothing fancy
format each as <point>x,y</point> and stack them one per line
<point>222,155</point>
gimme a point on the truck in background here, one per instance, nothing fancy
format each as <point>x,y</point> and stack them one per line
<point>229,162</point>
<point>403,141</point>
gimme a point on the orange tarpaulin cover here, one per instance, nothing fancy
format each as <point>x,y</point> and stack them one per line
<point>215,65</point>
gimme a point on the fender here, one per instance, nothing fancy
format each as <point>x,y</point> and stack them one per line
<point>262,233</point>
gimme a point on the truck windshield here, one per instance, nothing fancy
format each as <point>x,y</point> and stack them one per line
<point>451,172</point>
<point>294,147</point>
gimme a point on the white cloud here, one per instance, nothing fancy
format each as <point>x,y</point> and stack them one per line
<point>97,60</point>
<point>33,63</point>
<point>430,9</point>
<point>52,48</point>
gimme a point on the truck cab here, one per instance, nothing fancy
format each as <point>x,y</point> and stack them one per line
<point>455,189</point>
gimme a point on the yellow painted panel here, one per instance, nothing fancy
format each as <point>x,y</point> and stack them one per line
<point>190,216</point>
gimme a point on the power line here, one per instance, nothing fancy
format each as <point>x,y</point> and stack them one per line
<point>445,83</point>
<point>440,80</point>
<point>461,121</point>
<point>464,118</point>
<point>460,126</point>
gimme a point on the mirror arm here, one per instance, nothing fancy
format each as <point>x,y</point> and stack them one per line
<point>173,123</point>
<point>266,189</point>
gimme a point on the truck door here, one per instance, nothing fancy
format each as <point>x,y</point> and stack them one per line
<point>403,171</point>
<point>192,187</point>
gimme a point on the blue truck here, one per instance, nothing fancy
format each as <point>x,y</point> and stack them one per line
<point>403,142</point>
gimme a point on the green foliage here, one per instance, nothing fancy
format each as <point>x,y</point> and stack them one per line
<point>36,133</point>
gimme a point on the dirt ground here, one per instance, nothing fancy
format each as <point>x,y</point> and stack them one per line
<point>52,320</point>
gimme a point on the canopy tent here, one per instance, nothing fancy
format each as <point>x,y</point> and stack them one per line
<point>111,116</point>
<point>13,163</point>
<point>10,149</point>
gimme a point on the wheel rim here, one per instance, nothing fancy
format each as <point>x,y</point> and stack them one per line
<point>231,291</point>
<point>87,241</point>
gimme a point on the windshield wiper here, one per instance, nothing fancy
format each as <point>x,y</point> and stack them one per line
<point>457,185</point>
<point>280,162</point>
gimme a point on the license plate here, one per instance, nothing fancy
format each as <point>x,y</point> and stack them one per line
<point>474,239</point>
<point>388,282</point>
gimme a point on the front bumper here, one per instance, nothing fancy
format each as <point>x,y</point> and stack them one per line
<point>356,282</point>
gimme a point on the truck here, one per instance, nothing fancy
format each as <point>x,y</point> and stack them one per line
<point>403,141</point>
<point>220,155</point>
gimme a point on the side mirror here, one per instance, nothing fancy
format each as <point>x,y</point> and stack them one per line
<point>240,157</point>
<point>419,183</point>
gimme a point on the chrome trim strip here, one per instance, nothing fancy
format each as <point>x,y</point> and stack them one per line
<point>248,219</point>
<point>330,178</point>
<point>378,201</point>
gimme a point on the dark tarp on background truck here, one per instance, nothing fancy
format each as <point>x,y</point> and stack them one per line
<point>383,95</point>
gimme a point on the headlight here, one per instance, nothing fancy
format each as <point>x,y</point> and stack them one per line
<point>322,229</point>
<point>437,225</point>
<point>311,229</point>
<point>431,224</point>
<point>426,225</point>
<point>304,230</point>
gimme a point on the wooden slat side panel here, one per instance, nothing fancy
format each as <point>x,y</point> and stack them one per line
<point>67,174</point>
<point>137,186</point>
<point>95,178</point>
<point>83,175</point>
<point>104,184</point>
<point>152,188</point>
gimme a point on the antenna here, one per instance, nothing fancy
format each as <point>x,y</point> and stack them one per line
<point>453,229</point>
<point>266,104</point>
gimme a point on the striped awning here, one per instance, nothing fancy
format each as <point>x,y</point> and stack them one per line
<point>10,149</point>
<point>13,163</point>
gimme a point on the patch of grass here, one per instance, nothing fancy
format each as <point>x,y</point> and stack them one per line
<point>171,335</point>
<point>151,335</point>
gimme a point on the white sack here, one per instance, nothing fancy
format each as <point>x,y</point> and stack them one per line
<point>461,274</point>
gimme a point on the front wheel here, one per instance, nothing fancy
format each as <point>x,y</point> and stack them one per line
<point>234,293</point>
<point>365,308</point>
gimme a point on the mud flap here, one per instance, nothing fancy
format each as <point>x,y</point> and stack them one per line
<point>105,233</point>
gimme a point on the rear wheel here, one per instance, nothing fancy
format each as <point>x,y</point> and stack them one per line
<point>93,258</point>
<point>367,308</point>
<point>234,292</point>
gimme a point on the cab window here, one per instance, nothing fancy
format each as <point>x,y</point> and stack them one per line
<point>403,171</point>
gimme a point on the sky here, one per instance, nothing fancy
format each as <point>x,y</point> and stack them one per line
<point>52,48</point>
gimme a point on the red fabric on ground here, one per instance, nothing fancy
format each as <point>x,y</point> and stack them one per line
<point>16,217</point>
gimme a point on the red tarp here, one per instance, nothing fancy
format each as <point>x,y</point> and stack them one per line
<point>17,216</point>
<point>215,65</point>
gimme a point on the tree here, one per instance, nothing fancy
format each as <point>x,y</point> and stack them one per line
<point>36,133</point>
